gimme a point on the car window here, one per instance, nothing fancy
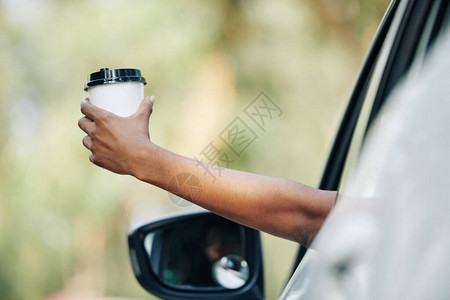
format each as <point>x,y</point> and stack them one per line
<point>434,19</point>
<point>393,223</point>
<point>333,169</point>
<point>337,157</point>
<point>369,98</point>
<point>432,25</point>
<point>407,44</point>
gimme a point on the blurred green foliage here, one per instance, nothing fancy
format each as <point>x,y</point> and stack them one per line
<point>63,222</point>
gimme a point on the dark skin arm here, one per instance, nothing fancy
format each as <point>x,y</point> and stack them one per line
<point>277,206</point>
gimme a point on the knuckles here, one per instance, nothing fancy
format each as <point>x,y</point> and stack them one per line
<point>102,119</point>
<point>96,161</point>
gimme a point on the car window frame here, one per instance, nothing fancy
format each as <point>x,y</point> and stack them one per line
<point>337,156</point>
<point>424,36</point>
<point>347,128</point>
<point>404,51</point>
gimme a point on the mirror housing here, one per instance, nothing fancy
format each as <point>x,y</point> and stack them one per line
<point>175,240</point>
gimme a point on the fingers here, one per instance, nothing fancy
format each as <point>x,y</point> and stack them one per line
<point>146,107</point>
<point>87,142</point>
<point>86,125</point>
<point>91,158</point>
<point>90,110</point>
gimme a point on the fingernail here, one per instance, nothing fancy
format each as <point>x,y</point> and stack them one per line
<point>152,99</point>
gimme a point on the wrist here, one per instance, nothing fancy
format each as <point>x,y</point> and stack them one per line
<point>141,162</point>
<point>151,165</point>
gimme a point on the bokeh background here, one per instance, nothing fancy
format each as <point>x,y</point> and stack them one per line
<point>63,221</point>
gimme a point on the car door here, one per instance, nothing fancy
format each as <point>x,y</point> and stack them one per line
<point>404,38</point>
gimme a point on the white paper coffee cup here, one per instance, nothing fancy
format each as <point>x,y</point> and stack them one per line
<point>119,91</point>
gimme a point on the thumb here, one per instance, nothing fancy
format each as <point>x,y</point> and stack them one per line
<point>146,107</point>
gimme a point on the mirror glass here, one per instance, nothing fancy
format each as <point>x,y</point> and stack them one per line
<point>203,253</point>
<point>231,271</point>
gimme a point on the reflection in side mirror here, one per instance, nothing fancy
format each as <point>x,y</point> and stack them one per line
<point>184,255</point>
<point>231,271</point>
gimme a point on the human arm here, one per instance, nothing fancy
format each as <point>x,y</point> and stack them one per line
<point>280,207</point>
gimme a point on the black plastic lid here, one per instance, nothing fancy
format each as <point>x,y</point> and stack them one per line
<point>105,76</point>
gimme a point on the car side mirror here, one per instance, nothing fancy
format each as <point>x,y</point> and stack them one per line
<point>197,256</point>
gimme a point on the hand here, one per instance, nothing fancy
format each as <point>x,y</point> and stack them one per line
<point>116,142</point>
